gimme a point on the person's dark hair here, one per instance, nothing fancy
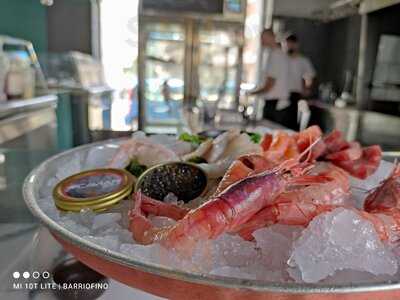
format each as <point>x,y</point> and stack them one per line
<point>292,38</point>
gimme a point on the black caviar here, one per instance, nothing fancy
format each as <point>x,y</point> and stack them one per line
<point>185,181</point>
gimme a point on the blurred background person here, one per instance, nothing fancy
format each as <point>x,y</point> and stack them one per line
<point>166,93</point>
<point>300,77</point>
<point>273,85</point>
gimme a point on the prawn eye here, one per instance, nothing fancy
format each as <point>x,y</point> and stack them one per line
<point>185,180</point>
<point>248,163</point>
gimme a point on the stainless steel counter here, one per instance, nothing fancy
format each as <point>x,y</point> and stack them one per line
<point>13,107</point>
<point>28,123</point>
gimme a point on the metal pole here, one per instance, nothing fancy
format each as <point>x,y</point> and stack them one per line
<point>96,28</point>
<point>189,90</point>
<point>141,70</point>
<point>361,87</point>
<point>239,70</point>
<point>268,12</point>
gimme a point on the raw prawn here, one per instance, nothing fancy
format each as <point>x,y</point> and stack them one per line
<point>358,162</point>
<point>308,136</point>
<point>225,212</point>
<point>366,165</point>
<point>300,205</point>
<point>333,192</point>
<point>387,194</point>
<point>242,167</point>
<point>382,207</point>
<point>159,208</point>
<point>386,222</point>
<point>350,156</point>
<point>282,147</point>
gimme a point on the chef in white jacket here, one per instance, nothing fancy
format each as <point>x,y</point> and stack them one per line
<point>273,85</point>
<point>301,75</point>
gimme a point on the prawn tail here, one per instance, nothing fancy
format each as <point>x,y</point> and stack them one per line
<point>142,229</point>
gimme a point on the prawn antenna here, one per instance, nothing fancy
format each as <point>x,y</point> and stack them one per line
<point>308,150</point>
<point>291,163</point>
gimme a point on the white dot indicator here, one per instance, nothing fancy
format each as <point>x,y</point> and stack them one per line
<point>26,275</point>
<point>16,275</point>
<point>46,275</point>
<point>35,274</point>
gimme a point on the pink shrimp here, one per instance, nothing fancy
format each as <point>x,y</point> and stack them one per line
<point>333,192</point>
<point>308,136</point>
<point>387,194</point>
<point>242,167</point>
<point>386,222</point>
<point>300,205</point>
<point>159,208</point>
<point>225,212</point>
<point>280,148</point>
<point>287,213</point>
<point>366,165</point>
<point>382,207</point>
<point>358,162</point>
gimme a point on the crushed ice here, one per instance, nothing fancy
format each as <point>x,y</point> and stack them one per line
<point>340,240</point>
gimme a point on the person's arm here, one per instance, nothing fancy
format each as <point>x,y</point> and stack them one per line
<point>270,75</point>
<point>308,83</point>
<point>265,88</point>
<point>308,77</point>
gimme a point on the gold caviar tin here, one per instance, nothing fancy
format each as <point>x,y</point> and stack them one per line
<point>97,189</point>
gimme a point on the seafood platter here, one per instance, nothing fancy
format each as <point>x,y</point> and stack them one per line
<point>262,215</point>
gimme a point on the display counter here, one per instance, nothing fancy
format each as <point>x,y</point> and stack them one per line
<point>28,123</point>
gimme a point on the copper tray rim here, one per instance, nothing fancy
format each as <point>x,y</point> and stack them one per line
<point>29,195</point>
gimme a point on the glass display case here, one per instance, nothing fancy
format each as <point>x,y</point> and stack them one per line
<point>219,59</point>
<point>186,61</point>
<point>164,72</point>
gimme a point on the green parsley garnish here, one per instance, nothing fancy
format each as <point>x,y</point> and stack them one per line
<point>191,138</point>
<point>254,137</point>
<point>135,168</point>
<point>197,160</point>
